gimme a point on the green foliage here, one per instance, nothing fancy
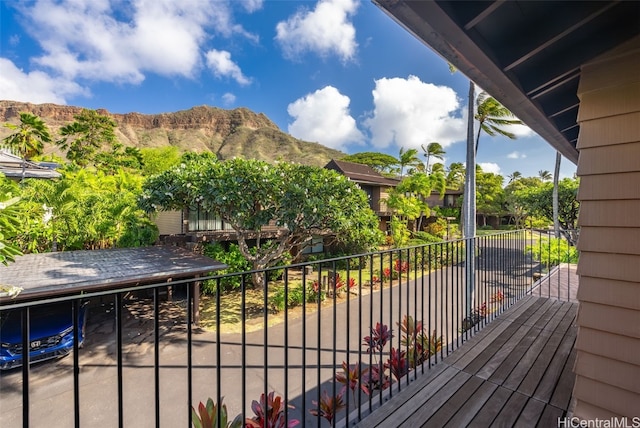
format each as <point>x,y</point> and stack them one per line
<point>437,228</point>
<point>493,117</point>
<point>86,136</point>
<point>455,176</point>
<point>554,251</point>
<point>159,159</point>
<point>30,136</point>
<point>233,258</point>
<point>399,232</point>
<point>489,192</point>
<point>84,210</point>
<point>294,295</point>
<point>538,201</point>
<point>381,162</point>
<point>10,220</point>
<point>420,238</point>
<point>302,201</point>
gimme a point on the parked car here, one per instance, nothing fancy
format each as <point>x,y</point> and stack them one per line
<point>50,333</point>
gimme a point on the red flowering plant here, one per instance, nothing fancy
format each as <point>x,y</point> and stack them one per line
<point>207,416</point>
<point>397,363</point>
<point>419,344</point>
<point>401,267</point>
<point>379,337</point>
<point>270,413</point>
<point>351,376</point>
<point>328,406</point>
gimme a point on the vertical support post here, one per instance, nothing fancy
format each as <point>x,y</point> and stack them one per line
<point>469,207</point>
<point>196,300</point>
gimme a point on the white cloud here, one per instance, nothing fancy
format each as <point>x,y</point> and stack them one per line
<point>222,66</point>
<point>490,167</point>
<point>35,87</point>
<point>228,99</point>
<point>115,41</point>
<point>325,30</point>
<point>323,116</point>
<point>519,130</point>
<point>251,5</point>
<point>516,155</point>
<point>409,112</point>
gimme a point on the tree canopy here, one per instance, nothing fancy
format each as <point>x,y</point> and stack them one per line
<point>302,201</point>
<point>30,136</point>
<point>381,162</point>
<point>538,201</point>
<point>86,136</point>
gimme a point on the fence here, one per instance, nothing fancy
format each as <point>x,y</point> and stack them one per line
<point>332,339</point>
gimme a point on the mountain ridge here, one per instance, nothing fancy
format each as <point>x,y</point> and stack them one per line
<point>239,132</point>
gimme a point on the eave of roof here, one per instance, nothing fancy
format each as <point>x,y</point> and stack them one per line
<point>527,54</point>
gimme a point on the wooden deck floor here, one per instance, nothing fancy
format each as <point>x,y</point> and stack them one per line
<point>516,372</point>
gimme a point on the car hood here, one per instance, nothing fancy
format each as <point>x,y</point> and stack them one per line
<point>44,321</point>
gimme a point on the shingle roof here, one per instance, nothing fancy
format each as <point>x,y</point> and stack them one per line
<point>15,167</point>
<point>360,173</point>
<point>68,272</point>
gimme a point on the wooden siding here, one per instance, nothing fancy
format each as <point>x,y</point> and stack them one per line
<point>169,222</point>
<point>608,345</point>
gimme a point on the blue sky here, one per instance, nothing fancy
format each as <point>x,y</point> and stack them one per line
<point>339,72</point>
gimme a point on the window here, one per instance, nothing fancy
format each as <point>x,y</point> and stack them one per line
<point>314,245</point>
<point>201,220</point>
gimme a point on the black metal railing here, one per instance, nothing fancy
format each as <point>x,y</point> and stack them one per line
<point>333,338</point>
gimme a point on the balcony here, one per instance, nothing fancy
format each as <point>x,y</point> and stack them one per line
<point>146,363</point>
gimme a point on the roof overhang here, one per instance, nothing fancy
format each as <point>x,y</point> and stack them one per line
<point>526,54</point>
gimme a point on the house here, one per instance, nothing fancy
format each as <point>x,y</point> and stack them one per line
<point>15,168</point>
<point>571,72</point>
<point>377,187</point>
<point>374,184</point>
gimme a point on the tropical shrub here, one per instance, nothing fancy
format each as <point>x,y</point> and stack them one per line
<point>554,251</point>
<point>233,258</point>
<point>437,228</point>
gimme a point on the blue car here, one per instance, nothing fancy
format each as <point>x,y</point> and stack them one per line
<point>50,333</point>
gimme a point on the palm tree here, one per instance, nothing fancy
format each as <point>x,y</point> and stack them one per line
<point>493,117</point>
<point>544,175</point>
<point>408,158</point>
<point>30,136</point>
<point>455,175</point>
<point>514,176</point>
<point>433,150</point>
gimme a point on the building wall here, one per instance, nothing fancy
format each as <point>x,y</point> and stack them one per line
<point>169,222</point>
<point>608,345</point>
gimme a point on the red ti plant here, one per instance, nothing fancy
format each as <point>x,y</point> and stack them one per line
<point>328,406</point>
<point>397,363</point>
<point>377,378</point>
<point>380,335</point>
<point>350,377</point>
<point>497,297</point>
<point>401,266</point>
<point>420,346</point>
<point>207,416</point>
<point>352,283</point>
<point>269,413</point>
